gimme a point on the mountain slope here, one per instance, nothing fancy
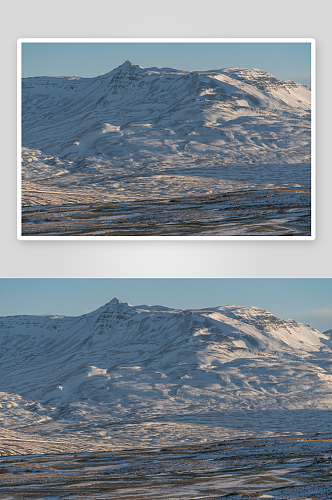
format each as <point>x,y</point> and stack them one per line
<point>130,374</point>
<point>133,133</point>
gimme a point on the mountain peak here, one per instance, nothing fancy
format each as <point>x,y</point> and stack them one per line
<point>126,64</point>
<point>114,302</point>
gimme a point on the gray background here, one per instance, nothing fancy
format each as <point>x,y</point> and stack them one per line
<point>160,18</point>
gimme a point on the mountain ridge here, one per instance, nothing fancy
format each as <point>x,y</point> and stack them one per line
<point>120,369</point>
<point>137,133</point>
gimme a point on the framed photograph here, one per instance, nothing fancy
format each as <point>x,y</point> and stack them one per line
<point>166,139</point>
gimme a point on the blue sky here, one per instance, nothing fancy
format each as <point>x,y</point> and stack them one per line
<point>286,61</point>
<point>308,300</point>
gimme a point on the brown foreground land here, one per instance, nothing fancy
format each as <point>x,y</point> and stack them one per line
<point>272,212</point>
<point>279,467</point>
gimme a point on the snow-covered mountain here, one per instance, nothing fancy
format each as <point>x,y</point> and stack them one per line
<point>125,376</point>
<point>142,133</point>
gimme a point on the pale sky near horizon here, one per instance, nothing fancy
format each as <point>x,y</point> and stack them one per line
<point>286,61</point>
<point>308,300</point>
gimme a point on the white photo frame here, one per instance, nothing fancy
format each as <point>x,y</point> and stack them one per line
<point>205,237</point>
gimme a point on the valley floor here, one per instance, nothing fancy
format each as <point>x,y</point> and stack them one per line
<point>249,212</point>
<point>293,467</point>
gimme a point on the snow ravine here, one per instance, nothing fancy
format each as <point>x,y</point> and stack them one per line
<point>148,376</point>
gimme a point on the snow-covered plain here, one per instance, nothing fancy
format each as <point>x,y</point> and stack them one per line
<point>125,377</point>
<point>153,133</point>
